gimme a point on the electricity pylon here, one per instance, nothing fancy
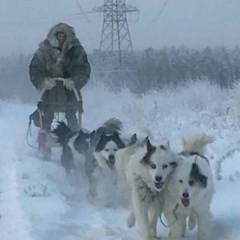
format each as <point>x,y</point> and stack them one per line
<point>115,36</point>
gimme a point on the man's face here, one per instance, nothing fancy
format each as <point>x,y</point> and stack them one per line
<point>61,37</point>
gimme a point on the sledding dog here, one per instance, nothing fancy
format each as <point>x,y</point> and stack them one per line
<point>75,145</point>
<point>100,165</point>
<point>97,147</point>
<point>142,170</point>
<point>190,189</point>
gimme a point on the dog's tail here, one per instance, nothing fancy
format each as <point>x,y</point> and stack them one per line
<point>113,124</point>
<point>197,143</point>
<point>61,132</point>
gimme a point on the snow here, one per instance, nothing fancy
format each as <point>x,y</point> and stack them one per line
<point>38,202</point>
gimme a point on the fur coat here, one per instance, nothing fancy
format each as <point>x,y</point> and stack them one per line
<point>50,61</point>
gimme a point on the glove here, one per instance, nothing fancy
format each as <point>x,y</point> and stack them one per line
<point>48,83</point>
<point>69,84</point>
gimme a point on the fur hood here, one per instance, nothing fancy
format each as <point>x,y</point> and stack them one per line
<point>51,40</point>
<point>68,62</point>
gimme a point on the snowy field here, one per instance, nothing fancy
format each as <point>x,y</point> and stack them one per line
<point>38,202</point>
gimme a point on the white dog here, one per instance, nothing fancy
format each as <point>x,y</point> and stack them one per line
<point>190,189</point>
<point>142,170</point>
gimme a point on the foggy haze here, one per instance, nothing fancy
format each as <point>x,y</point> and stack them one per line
<point>194,23</point>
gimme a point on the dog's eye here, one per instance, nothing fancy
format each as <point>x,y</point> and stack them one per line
<point>115,149</point>
<point>106,149</point>
<point>181,181</point>
<point>153,166</point>
<point>191,182</point>
<point>164,166</point>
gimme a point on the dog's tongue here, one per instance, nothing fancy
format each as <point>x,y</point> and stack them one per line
<point>110,164</point>
<point>185,202</point>
<point>159,185</point>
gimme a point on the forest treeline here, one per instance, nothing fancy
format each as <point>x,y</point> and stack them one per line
<point>143,70</point>
<point>170,66</point>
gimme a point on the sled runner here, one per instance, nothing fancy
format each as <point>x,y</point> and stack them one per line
<point>54,102</point>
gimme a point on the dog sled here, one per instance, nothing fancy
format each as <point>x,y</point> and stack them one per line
<point>57,105</point>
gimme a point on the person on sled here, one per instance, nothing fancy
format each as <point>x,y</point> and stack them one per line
<point>60,55</point>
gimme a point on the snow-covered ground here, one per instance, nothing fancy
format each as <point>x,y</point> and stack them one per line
<point>38,202</point>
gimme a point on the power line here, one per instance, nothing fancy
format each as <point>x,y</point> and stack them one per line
<point>82,12</point>
<point>161,10</point>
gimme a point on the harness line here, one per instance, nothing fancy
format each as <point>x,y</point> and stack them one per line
<point>174,213</point>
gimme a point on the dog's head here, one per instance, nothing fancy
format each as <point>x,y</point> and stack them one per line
<point>188,179</point>
<point>82,141</point>
<point>106,149</point>
<point>159,162</point>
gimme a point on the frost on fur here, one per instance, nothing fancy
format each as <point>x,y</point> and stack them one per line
<point>197,143</point>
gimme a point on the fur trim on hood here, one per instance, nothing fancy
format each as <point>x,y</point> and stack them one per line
<point>71,39</point>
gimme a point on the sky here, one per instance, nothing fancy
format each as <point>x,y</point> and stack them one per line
<point>38,202</point>
<point>193,23</point>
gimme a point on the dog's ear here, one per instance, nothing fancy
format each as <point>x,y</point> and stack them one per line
<point>101,142</point>
<point>103,136</point>
<point>165,146</point>
<point>150,150</point>
<point>150,147</point>
<point>116,138</point>
<point>92,134</point>
<point>195,174</point>
<point>115,134</point>
<point>203,180</point>
<point>145,140</point>
<point>133,139</point>
<point>81,131</point>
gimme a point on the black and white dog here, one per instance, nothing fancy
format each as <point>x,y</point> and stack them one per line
<point>104,146</point>
<point>100,164</point>
<point>74,144</point>
<point>98,147</point>
<point>189,191</point>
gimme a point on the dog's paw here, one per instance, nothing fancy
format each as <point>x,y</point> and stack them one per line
<point>131,220</point>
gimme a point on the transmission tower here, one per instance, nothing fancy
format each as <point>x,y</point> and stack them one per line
<point>115,35</point>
